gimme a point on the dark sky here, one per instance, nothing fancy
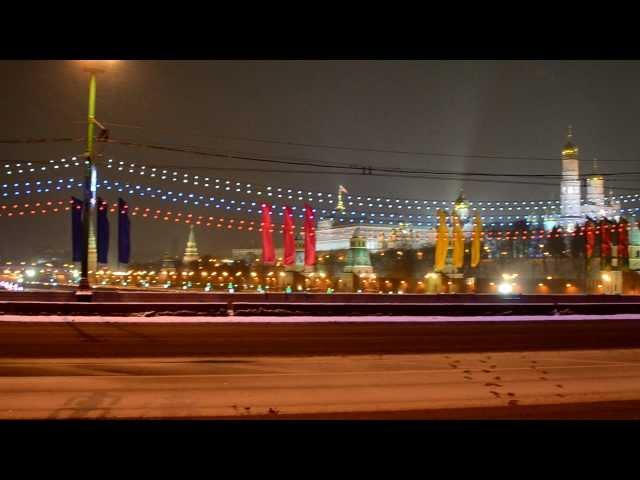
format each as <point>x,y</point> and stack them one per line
<point>506,108</point>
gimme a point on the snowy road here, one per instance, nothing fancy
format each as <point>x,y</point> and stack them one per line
<point>76,368</point>
<point>275,386</point>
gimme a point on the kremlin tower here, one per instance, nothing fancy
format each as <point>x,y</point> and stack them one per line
<point>595,187</point>
<point>191,252</point>
<point>595,205</point>
<point>570,212</point>
<point>358,257</point>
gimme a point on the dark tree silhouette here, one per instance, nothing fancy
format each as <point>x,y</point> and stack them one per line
<point>555,243</point>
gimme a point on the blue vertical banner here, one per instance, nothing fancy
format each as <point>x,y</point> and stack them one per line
<point>103,231</point>
<point>76,229</point>
<point>124,232</point>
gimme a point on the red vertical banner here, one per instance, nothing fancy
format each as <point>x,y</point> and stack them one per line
<point>623,239</point>
<point>289,241</point>
<point>605,239</point>
<point>590,243</point>
<point>268,252</point>
<point>309,236</point>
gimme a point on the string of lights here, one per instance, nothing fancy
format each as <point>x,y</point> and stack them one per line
<point>266,191</point>
<point>60,206</point>
<point>244,207</point>
<point>223,203</point>
<point>178,175</point>
<point>253,207</point>
<point>32,167</point>
<point>282,192</point>
<point>40,186</point>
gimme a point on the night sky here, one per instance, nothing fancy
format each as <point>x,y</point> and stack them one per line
<point>503,108</point>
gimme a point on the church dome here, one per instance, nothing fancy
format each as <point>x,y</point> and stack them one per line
<point>570,148</point>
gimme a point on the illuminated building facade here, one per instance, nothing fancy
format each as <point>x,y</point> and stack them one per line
<point>595,206</point>
<point>331,235</point>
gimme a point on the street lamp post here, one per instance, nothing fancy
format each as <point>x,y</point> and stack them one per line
<point>93,68</point>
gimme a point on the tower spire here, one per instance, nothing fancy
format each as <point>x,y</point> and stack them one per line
<point>569,133</point>
<point>191,252</point>
<point>340,205</point>
<point>594,167</point>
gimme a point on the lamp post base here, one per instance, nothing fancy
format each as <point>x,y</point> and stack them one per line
<point>84,292</point>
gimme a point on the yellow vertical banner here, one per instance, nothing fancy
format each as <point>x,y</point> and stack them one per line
<point>458,242</point>
<point>442,241</point>
<point>476,241</point>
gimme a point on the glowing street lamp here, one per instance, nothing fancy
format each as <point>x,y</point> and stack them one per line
<point>93,67</point>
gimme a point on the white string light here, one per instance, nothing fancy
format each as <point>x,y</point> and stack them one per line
<point>289,194</point>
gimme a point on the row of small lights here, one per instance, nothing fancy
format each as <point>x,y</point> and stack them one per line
<point>232,205</point>
<point>197,180</point>
<point>145,191</point>
<point>238,186</point>
<point>505,287</point>
<point>240,224</point>
<point>38,187</point>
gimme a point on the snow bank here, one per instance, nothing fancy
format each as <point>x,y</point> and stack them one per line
<point>310,319</point>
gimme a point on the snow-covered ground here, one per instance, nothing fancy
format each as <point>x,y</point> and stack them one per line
<point>308,319</point>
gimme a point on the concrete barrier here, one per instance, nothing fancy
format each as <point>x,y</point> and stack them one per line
<point>273,308</point>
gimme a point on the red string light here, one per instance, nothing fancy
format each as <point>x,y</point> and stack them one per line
<point>43,208</point>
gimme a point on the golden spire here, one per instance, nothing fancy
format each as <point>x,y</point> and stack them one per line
<point>570,148</point>
<point>461,201</point>
<point>340,205</point>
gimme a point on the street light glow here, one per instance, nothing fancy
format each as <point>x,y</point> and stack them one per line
<point>96,66</point>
